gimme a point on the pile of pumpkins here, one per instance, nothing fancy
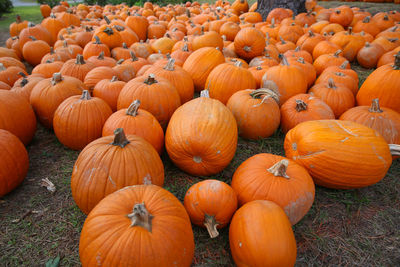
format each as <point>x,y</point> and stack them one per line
<point>119,82</point>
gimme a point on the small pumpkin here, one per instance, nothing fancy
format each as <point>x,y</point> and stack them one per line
<point>77,68</point>
<point>249,43</point>
<point>108,90</point>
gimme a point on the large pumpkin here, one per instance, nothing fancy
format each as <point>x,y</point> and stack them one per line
<point>201,136</point>
<point>275,178</point>
<point>14,162</point>
<point>210,204</point>
<point>383,83</point>
<point>149,224</point>
<point>261,235</point>
<point>111,163</point>
<point>339,154</point>
<point>17,116</point>
<point>79,120</point>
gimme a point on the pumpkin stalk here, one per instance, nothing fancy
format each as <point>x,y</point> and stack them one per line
<point>211,225</point>
<point>344,65</point>
<point>150,80</point>
<point>133,108</point>
<point>101,55</point>
<point>133,56</point>
<point>279,169</point>
<point>247,48</point>
<point>283,60</point>
<point>394,149</point>
<point>96,40</point>
<point>337,53</point>
<point>80,60</point>
<point>396,65</point>
<point>331,84</point>
<point>375,108</point>
<point>300,105</point>
<point>56,78</point>
<point>120,138</point>
<point>109,31</point>
<point>140,216</point>
<point>170,65</point>
<point>267,93</point>
<point>85,95</point>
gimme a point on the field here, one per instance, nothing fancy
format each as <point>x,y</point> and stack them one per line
<point>344,227</point>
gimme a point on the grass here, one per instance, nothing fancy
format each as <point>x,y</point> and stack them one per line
<point>357,227</point>
<point>29,13</point>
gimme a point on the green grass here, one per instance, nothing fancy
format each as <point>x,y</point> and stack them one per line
<point>29,13</point>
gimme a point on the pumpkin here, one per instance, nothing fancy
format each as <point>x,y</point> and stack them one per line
<point>308,69</point>
<point>229,30</point>
<point>84,37</point>
<point>10,74</point>
<point>349,42</point>
<point>108,90</point>
<point>10,61</point>
<point>227,79</point>
<point>284,46</point>
<point>345,69</point>
<point>290,79</point>
<point>256,112</point>
<point>388,57</point>
<point>383,120</point>
<point>142,49</point>
<point>143,218</point>
<point>309,41</point>
<point>328,60</point>
<point>25,84</point>
<point>339,77</point>
<point>301,108</point>
<point>14,162</point>
<point>275,178</point>
<point>49,93</point>
<point>101,60</point>
<point>53,25</point>
<point>339,154</point>
<point>95,48</point>
<point>37,31</point>
<point>262,222</point>
<point>17,116</point>
<point>382,83</point>
<point>124,72</point>
<point>97,74</point>
<point>34,50</point>
<point>53,56</point>
<point>108,36</point>
<point>209,39</point>
<point>138,122</point>
<point>139,25</point>
<point>201,137</point>
<point>121,52</point>
<point>325,47</point>
<point>249,43</point>
<point>135,62</point>
<point>48,68</point>
<point>210,204</point>
<point>45,10</point>
<point>342,15</point>
<point>113,162</point>
<point>200,63</point>
<point>77,68</point>
<point>79,120</point>
<point>17,26</point>
<point>4,86</point>
<point>5,52</point>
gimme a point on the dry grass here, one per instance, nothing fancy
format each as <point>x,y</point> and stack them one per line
<point>344,227</point>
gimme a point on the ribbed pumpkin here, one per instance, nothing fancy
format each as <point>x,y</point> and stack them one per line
<point>138,122</point>
<point>17,116</point>
<point>339,154</point>
<point>227,79</point>
<point>79,120</point>
<point>177,76</point>
<point>260,234</point>
<point>200,63</point>
<point>146,219</point>
<point>49,93</point>
<point>97,74</point>
<point>291,80</point>
<point>108,36</point>
<point>24,86</point>
<point>256,112</point>
<point>14,162</point>
<point>48,68</point>
<point>338,97</point>
<point>34,50</point>
<point>157,95</point>
<point>301,108</point>
<point>201,137</point>
<point>383,83</point>
<point>339,77</point>
<point>11,74</point>
<point>95,48</point>
<point>369,55</point>
<point>249,43</point>
<point>111,163</point>
<point>383,120</point>
<point>101,60</point>
<point>328,60</point>
<point>210,204</point>
<point>77,68</point>
<point>275,178</point>
<point>108,90</point>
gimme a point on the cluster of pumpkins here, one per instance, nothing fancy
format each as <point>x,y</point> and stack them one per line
<point>111,80</point>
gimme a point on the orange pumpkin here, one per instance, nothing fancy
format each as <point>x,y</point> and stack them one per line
<point>25,84</point>
<point>249,43</point>
<point>210,204</point>
<point>95,48</point>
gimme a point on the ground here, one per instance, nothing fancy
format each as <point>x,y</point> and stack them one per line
<point>344,227</point>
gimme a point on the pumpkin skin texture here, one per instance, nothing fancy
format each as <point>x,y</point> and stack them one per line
<point>301,108</point>
<point>275,178</point>
<point>14,162</point>
<point>256,112</point>
<point>201,137</point>
<point>108,90</point>
<point>249,43</point>
<point>138,122</point>
<point>111,163</point>
<point>17,116</point>
<point>79,120</point>
<point>339,154</point>
<point>210,204</point>
<point>167,242</point>
<point>200,63</point>
<point>382,83</point>
<point>261,235</point>
<point>383,120</point>
<point>48,94</point>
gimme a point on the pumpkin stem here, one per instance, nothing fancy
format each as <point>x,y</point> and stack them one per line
<point>211,224</point>
<point>300,105</point>
<point>124,46</point>
<point>205,93</point>
<point>297,49</point>
<point>101,56</point>
<point>238,63</point>
<point>109,31</point>
<point>97,39</point>
<point>22,74</point>
<point>56,78</point>
<point>114,79</point>
<point>375,108</point>
<point>337,53</point>
<point>341,74</point>
<point>133,56</point>
<point>367,44</point>
<point>185,48</point>
<point>396,65</point>
<point>85,95</point>
<point>120,138</point>
<point>394,149</point>
<point>2,68</point>
<point>133,108</point>
<point>301,60</point>
<point>107,19</point>
<point>366,19</point>
<point>311,33</point>
<point>259,67</point>
<point>170,65</point>
<point>32,38</point>
<point>283,60</point>
<point>350,30</point>
<point>279,169</point>
<point>282,41</point>
<point>141,217</point>
<point>344,65</point>
<point>80,60</point>
<point>119,62</point>
<point>331,84</point>
<point>247,48</point>
<point>267,93</point>
<point>151,79</point>
<point>18,19</point>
